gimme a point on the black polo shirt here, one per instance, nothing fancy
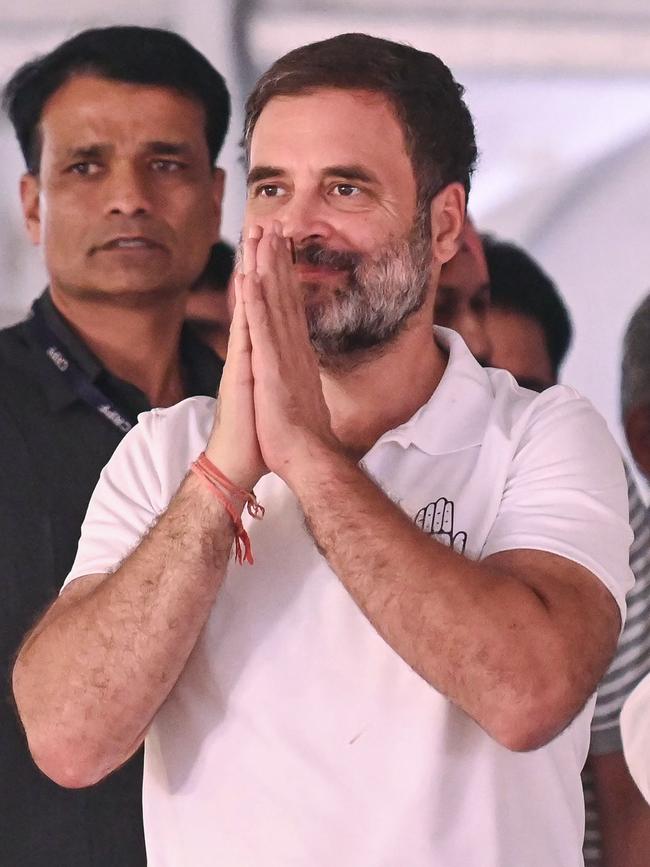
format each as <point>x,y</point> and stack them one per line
<point>53,446</point>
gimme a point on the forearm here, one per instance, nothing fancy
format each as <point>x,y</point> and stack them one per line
<point>484,638</point>
<point>89,682</point>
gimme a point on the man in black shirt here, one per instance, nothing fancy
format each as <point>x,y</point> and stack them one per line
<point>120,128</point>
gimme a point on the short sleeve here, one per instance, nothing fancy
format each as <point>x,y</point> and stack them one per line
<point>635,730</point>
<point>632,660</point>
<point>566,491</point>
<point>124,503</point>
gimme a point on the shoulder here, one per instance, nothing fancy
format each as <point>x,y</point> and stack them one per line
<point>14,338</point>
<point>156,454</point>
<point>559,421</point>
<point>192,417</point>
<point>22,372</point>
<point>517,406</point>
<point>491,400</point>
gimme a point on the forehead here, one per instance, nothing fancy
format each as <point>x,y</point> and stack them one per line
<point>332,127</point>
<point>93,106</point>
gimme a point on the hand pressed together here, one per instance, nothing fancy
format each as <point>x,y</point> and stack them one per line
<point>272,413</point>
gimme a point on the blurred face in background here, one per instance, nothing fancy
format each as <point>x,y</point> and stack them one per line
<point>519,346</point>
<point>463,294</point>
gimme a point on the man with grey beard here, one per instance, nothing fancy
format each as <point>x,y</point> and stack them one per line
<point>395,667</point>
<point>376,297</point>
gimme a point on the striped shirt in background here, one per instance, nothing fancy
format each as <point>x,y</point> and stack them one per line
<point>629,666</point>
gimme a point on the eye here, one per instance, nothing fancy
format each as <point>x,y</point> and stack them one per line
<point>346,191</point>
<point>164,165</point>
<point>269,191</point>
<point>84,168</point>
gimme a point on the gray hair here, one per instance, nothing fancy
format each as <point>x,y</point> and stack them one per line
<point>635,373</point>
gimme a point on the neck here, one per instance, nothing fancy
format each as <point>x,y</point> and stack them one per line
<point>384,390</point>
<point>137,344</point>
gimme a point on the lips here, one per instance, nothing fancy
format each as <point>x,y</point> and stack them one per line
<point>129,242</point>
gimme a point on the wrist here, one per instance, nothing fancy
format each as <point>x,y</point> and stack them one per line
<point>233,498</point>
<point>240,473</point>
<point>311,461</point>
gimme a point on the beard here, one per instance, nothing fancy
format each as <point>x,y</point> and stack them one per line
<point>373,304</point>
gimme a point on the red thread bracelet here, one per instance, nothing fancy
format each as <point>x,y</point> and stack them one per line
<point>233,499</point>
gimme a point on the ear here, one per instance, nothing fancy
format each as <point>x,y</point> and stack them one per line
<point>218,186</point>
<point>637,431</point>
<point>447,221</point>
<point>30,196</point>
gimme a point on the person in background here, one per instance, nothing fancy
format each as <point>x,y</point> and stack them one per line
<point>209,305</point>
<point>120,128</point>
<point>463,296</point>
<point>527,322</point>
<point>635,406</point>
<point>397,665</point>
<point>529,329</point>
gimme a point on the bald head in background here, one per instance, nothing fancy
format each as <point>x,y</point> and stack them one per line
<point>463,295</point>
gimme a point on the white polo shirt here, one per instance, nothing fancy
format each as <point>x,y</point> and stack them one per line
<point>296,737</point>
<point>635,733</point>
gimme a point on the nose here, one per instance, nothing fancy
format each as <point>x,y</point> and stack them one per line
<point>304,218</point>
<point>128,191</point>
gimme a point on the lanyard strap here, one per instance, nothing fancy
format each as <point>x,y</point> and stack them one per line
<point>80,382</point>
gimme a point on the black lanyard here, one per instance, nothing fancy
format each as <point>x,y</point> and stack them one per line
<point>62,359</point>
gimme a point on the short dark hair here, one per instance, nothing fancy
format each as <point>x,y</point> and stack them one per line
<point>635,371</point>
<point>518,284</point>
<point>218,271</point>
<point>438,128</point>
<point>136,55</point>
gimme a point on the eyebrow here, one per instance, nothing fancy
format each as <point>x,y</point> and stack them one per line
<point>261,173</point>
<point>180,148</point>
<point>351,172</point>
<point>87,152</point>
<point>98,149</point>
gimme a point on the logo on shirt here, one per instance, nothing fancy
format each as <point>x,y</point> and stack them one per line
<point>437,518</point>
<point>57,358</point>
<point>114,416</point>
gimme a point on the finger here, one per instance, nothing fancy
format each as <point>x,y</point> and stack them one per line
<point>428,517</point>
<point>437,517</point>
<point>256,311</point>
<point>274,266</point>
<point>238,365</point>
<point>448,518</point>
<point>239,324</point>
<point>265,349</point>
<point>419,519</point>
<point>459,542</point>
<point>291,247</point>
<point>280,288</point>
<point>287,270</point>
<point>250,244</point>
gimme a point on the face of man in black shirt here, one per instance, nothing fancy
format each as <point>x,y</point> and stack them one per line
<point>126,203</point>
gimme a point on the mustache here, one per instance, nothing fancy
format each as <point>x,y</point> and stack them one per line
<point>319,256</point>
